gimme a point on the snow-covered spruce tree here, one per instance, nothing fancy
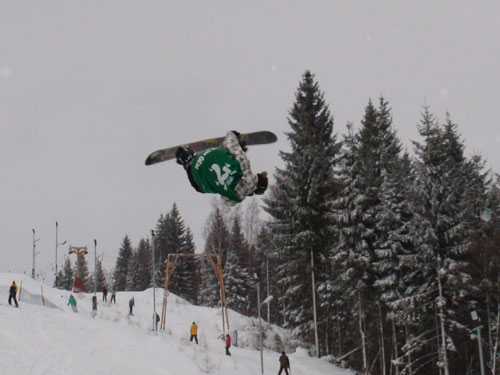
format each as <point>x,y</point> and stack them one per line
<point>484,255</point>
<point>394,252</point>
<point>132,272</point>
<point>217,242</point>
<point>191,266</point>
<point>268,260</point>
<point>298,205</point>
<point>371,158</point>
<point>67,275</point>
<point>143,265</point>
<point>161,248</point>
<point>444,226</point>
<point>180,283</point>
<point>121,267</point>
<point>348,292</point>
<point>101,277</point>
<point>236,276</point>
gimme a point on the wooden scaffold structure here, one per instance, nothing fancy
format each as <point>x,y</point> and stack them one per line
<point>214,260</point>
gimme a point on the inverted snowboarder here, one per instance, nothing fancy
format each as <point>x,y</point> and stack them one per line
<point>222,170</point>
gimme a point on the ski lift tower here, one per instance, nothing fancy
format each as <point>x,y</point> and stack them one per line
<point>79,251</point>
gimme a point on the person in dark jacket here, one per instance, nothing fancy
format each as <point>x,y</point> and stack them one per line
<point>131,305</point>
<point>104,294</point>
<point>157,320</point>
<point>12,294</point>
<point>284,363</point>
<point>228,344</point>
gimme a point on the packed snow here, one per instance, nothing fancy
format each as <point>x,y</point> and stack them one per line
<point>44,336</point>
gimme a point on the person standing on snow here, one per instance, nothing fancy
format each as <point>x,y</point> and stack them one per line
<point>228,344</point>
<point>224,171</point>
<point>12,294</point>
<point>284,363</point>
<point>157,320</point>
<point>113,295</point>
<point>72,303</point>
<point>131,305</point>
<point>194,333</point>
<point>104,294</point>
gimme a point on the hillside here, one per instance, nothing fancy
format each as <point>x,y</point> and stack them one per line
<point>51,339</point>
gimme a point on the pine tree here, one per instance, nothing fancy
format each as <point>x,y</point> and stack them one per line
<point>191,282</point>
<point>267,260</point>
<point>370,174</point>
<point>161,248</point>
<point>143,265</point>
<point>101,276</point>
<point>349,258</point>
<point>121,267</point>
<point>444,229</point>
<point>217,242</point>
<point>298,204</point>
<point>236,276</point>
<point>82,270</point>
<point>132,272</point>
<point>180,280</point>
<point>66,275</point>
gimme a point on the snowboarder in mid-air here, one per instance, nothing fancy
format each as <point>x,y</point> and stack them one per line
<point>225,171</point>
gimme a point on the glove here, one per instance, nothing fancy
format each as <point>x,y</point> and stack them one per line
<point>261,183</point>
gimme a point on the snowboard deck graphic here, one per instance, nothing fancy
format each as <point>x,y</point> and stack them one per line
<point>251,139</point>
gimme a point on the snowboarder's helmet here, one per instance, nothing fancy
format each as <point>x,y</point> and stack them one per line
<point>184,155</point>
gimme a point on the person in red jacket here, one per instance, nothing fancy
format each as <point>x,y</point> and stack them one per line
<point>228,344</point>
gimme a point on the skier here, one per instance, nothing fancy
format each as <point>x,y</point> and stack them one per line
<point>113,295</point>
<point>194,333</point>
<point>104,294</point>
<point>225,171</point>
<point>228,344</point>
<point>12,294</point>
<point>131,304</point>
<point>72,303</point>
<point>284,363</point>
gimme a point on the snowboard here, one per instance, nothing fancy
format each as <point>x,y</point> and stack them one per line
<point>251,139</point>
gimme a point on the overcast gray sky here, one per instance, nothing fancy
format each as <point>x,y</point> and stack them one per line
<point>88,89</point>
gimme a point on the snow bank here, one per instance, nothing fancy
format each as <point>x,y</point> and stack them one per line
<point>52,339</point>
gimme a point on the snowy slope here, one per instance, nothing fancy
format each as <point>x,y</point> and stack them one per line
<point>51,339</point>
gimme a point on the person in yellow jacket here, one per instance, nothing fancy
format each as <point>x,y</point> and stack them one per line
<point>194,332</point>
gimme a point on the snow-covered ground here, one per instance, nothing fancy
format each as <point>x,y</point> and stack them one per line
<point>51,339</point>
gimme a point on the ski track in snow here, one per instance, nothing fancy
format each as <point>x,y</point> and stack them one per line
<point>52,339</point>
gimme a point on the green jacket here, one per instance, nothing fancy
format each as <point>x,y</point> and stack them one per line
<point>72,301</point>
<point>216,171</point>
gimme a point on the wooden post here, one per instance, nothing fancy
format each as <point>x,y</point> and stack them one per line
<point>218,273</point>
<point>169,270</point>
<point>171,263</point>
